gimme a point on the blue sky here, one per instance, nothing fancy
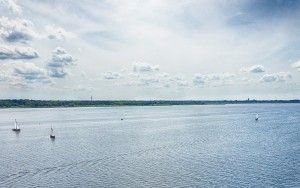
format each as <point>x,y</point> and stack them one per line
<point>151,49</point>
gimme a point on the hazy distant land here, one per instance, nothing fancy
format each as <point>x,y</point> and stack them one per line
<point>26,103</point>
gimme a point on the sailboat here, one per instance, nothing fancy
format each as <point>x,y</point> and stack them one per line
<point>52,136</point>
<point>256,117</point>
<point>17,128</point>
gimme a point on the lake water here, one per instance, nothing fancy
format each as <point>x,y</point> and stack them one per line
<point>168,146</point>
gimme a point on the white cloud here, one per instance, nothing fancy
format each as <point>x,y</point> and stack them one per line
<point>144,74</point>
<point>29,71</point>
<point>59,33</point>
<point>276,77</point>
<point>254,69</point>
<point>111,75</point>
<point>145,68</point>
<point>57,72</point>
<point>222,76</point>
<point>201,79</point>
<point>182,83</point>
<point>23,30</point>
<point>19,73</point>
<point>60,58</point>
<point>16,30</point>
<point>164,75</point>
<point>12,52</point>
<point>179,81</point>
<point>296,65</point>
<point>59,62</point>
<point>12,6</point>
<point>148,81</point>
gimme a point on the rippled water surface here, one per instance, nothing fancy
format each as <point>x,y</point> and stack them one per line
<point>169,146</point>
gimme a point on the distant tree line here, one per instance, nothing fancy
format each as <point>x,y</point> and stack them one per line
<point>26,103</point>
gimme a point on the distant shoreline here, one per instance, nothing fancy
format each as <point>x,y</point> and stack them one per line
<point>26,103</point>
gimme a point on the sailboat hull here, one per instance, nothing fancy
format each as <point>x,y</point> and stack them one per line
<point>52,136</point>
<point>16,130</point>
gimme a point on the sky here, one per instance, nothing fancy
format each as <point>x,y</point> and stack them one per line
<point>150,49</point>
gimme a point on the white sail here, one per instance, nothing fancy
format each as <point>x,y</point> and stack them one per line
<point>16,124</point>
<point>51,131</point>
<point>256,117</point>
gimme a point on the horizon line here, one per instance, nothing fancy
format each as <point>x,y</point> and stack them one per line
<point>154,99</point>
